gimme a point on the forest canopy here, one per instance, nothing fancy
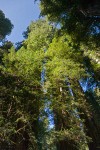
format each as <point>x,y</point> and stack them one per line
<point>79,18</point>
<point>5,26</point>
<point>49,83</point>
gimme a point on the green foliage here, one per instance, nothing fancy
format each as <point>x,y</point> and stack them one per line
<point>40,35</point>
<point>20,103</point>
<point>21,92</point>
<point>64,64</point>
<point>63,60</point>
<point>5,26</point>
<point>80,19</point>
<point>30,101</point>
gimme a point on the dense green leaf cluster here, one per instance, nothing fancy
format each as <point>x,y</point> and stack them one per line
<point>80,19</point>
<point>5,26</point>
<point>43,106</point>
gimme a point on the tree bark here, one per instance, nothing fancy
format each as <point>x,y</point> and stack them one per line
<point>62,117</point>
<point>93,129</point>
<point>21,138</point>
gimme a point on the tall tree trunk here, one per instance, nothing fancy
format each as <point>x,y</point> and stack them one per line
<point>93,129</point>
<point>61,123</point>
<point>21,138</point>
<point>62,117</point>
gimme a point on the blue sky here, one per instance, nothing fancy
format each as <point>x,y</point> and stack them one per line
<point>21,13</point>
